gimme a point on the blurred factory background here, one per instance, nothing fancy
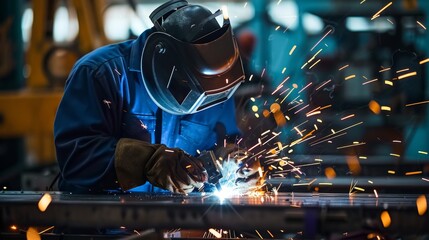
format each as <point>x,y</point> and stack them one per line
<point>361,63</point>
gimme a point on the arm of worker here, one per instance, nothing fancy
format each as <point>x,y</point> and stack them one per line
<point>168,168</point>
<point>86,130</point>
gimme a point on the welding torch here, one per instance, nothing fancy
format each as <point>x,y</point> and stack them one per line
<point>213,172</point>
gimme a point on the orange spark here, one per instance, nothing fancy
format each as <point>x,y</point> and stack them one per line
<point>44,202</point>
<point>374,107</point>
<point>350,77</point>
<point>346,117</point>
<point>343,67</point>
<point>416,103</point>
<point>413,173</point>
<point>407,75</point>
<point>385,219</point>
<point>330,173</point>
<point>376,15</point>
<point>421,205</point>
<point>424,61</point>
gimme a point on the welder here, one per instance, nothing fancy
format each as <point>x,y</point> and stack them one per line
<point>135,114</point>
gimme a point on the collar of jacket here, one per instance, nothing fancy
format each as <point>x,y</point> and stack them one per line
<point>137,49</point>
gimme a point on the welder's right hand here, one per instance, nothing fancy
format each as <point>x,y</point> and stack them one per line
<point>168,168</point>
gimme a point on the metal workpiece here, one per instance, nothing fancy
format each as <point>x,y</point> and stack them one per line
<point>313,214</point>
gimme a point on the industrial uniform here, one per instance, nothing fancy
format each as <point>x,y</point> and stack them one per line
<point>105,100</point>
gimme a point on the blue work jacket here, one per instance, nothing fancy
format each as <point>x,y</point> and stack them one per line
<point>105,100</point>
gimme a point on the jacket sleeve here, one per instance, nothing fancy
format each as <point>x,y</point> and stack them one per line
<point>86,130</point>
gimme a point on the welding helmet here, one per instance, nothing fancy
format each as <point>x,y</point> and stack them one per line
<point>190,63</point>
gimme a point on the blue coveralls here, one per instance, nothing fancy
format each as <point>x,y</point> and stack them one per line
<point>105,100</point>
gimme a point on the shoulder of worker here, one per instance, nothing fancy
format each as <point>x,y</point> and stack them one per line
<point>115,53</point>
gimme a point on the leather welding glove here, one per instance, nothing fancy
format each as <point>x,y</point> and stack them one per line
<point>168,168</point>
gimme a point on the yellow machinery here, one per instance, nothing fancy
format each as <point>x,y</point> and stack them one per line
<point>30,112</point>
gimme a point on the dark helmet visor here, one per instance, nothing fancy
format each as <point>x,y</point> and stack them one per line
<point>184,78</point>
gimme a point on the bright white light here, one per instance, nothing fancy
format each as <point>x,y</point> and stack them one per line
<point>226,192</point>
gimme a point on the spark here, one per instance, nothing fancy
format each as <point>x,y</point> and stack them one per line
<point>117,72</point>
<point>299,132</point>
<point>351,145</point>
<point>362,157</point>
<point>370,81</point>
<point>314,64</point>
<point>387,82</point>
<point>423,152</point>
<point>350,77</point>
<point>416,103</point>
<point>323,84</point>
<point>215,233</point>
<point>284,70</point>
<point>13,227</point>
<point>169,150</point>
<point>250,78</point>
<point>381,10</point>
<point>330,173</point>
<point>254,108</point>
<point>313,113</point>
<point>299,110</point>
<point>421,25</point>
<point>385,219</point>
<point>424,61</point>
<point>341,130</point>
<point>343,67</point>
<point>353,184</point>
<point>277,28</point>
<point>47,229</point>
<point>245,5</point>
<point>421,205</point>
<point>391,172</point>
<point>263,72</point>
<point>325,184</point>
<point>44,202</point>
<point>390,21</point>
<point>32,234</point>
<point>280,85</point>
<point>305,183</point>
<point>403,70</point>
<point>425,179</point>
<point>327,139</point>
<point>375,193</point>
<point>407,75</point>
<point>287,95</point>
<point>413,173</point>
<point>303,66</point>
<point>325,107</point>
<point>359,189</point>
<point>397,141</point>
<point>262,134</point>
<point>386,108</point>
<point>362,1</point>
<point>347,117</point>
<point>270,234</point>
<point>395,155</point>
<point>318,160</point>
<point>384,70</point>
<point>371,182</point>
<point>259,234</point>
<point>330,30</point>
<point>314,56</point>
<point>292,50</point>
